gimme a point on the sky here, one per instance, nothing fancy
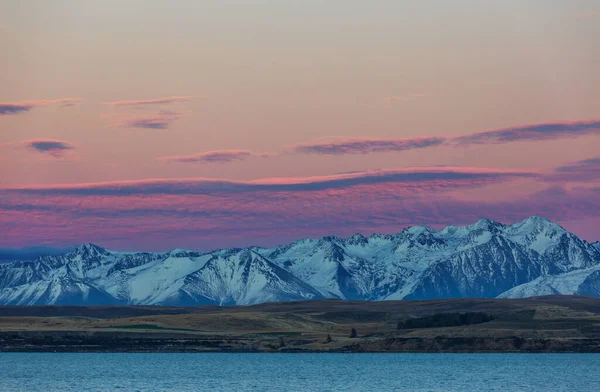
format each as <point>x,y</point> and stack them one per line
<point>152,125</point>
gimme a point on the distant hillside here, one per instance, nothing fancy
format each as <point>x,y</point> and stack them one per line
<point>540,324</point>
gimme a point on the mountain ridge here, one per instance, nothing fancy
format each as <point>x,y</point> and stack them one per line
<point>486,259</point>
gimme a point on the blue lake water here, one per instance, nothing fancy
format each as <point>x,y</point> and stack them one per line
<point>34,372</point>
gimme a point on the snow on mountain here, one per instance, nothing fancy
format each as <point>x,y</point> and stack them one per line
<point>565,250</point>
<point>242,277</point>
<point>582,282</point>
<point>482,270</point>
<point>591,285</point>
<point>485,259</point>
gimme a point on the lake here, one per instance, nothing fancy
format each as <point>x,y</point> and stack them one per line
<point>46,372</point>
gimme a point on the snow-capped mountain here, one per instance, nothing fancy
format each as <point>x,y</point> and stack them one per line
<point>485,259</point>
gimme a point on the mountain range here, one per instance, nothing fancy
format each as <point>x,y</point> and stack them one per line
<point>485,260</point>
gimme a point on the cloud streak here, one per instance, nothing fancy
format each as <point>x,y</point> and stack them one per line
<point>156,101</point>
<point>414,179</point>
<point>403,98</point>
<point>8,108</point>
<point>580,171</point>
<point>56,148</point>
<point>219,156</point>
<point>208,213</point>
<point>179,212</point>
<point>533,132</point>
<point>256,216</point>
<point>366,145</point>
<point>160,120</point>
<point>354,146</point>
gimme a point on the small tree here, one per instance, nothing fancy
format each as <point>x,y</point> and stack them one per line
<point>353,333</point>
<point>328,338</point>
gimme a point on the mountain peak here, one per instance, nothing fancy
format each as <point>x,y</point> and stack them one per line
<point>178,252</point>
<point>484,259</point>
<point>329,239</point>
<point>536,219</point>
<point>357,239</point>
<point>536,222</point>
<point>357,236</point>
<point>485,224</point>
<point>418,230</point>
<point>89,249</point>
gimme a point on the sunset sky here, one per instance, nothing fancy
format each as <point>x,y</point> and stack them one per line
<point>151,125</point>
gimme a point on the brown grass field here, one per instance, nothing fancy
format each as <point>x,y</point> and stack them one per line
<point>542,324</point>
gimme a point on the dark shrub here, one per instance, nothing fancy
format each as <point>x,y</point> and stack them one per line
<point>445,320</point>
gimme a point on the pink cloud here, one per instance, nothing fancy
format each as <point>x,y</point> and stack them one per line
<point>156,101</point>
<point>341,146</point>
<point>160,120</point>
<point>413,178</point>
<point>532,132</point>
<point>151,221</point>
<point>209,213</point>
<point>581,171</point>
<point>55,148</point>
<point>52,147</point>
<point>219,156</point>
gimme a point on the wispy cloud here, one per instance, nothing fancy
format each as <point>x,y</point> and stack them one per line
<point>160,120</point>
<point>14,108</point>
<point>533,132</point>
<point>366,145</point>
<point>219,156</point>
<point>213,213</point>
<point>156,101</point>
<point>580,171</point>
<point>7,108</point>
<point>52,147</point>
<point>56,148</point>
<point>403,98</point>
<point>426,178</point>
